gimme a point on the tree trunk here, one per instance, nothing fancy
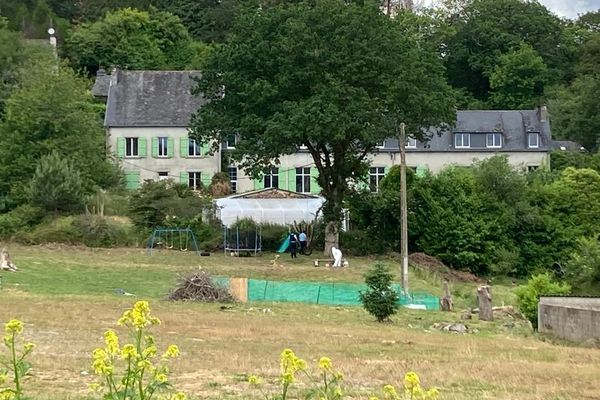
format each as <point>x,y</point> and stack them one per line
<point>446,301</point>
<point>332,237</point>
<point>484,298</point>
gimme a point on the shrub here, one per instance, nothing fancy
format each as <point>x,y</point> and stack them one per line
<point>57,230</point>
<point>98,231</point>
<point>380,299</point>
<point>19,219</point>
<point>358,242</point>
<point>583,267</point>
<point>528,296</point>
<point>272,236</point>
<point>56,185</point>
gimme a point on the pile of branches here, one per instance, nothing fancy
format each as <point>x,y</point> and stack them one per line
<point>199,286</point>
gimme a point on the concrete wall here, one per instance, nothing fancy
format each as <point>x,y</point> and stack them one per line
<point>149,166</point>
<point>572,318</point>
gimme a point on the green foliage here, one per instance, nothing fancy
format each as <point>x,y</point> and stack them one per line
<point>16,363</point>
<point>51,111</point>
<point>98,231</point>
<point>561,159</point>
<point>56,230</point>
<point>380,299</point>
<point>518,80</point>
<point>331,75</point>
<point>56,185</point>
<point>583,267</point>
<point>164,204</point>
<point>528,296</point>
<point>21,218</point>
<point>133,39</point>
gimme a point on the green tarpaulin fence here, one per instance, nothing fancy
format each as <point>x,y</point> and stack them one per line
<point>325,293</point>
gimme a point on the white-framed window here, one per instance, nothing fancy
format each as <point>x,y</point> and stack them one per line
<point>531,168</point>
<point>163,175</point>
<point>233,178</point>
<point>163,146</point>
<point>493,140</point>
<point>303,147</point>
<point>376,174</point>
<point>194,148</point>
<point>411,143</point>
<point>303,180</point>
<point>131,147</point>
<point>462,140</point>
<point>271,178</point>
<point>230,141</point>
<point>195,180</point>
<point>533,140</point>
<point>380,144</point>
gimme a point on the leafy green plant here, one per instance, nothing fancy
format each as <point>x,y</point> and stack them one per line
<point>583,267</point>
<point>143,373</point>
<point>380,299</point>
<point>529,295</point>
<point>16,365</point>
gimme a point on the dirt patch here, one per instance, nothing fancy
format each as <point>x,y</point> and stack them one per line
<point>432,264</point>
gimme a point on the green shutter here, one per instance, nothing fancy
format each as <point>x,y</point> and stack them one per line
<point>314,184</point>
<point>184,177</point>
<point>184,145</point>
<point>283,179</point>
<point>132,179</point>
<point>259,183</point>
<point>421,171</point>
<point>121,147</point>
<point>142,147</point>
<point>291,179</point>
<point>204,149</point>
<point>206,179</point>
<point>154,147</point>
<point>170,147</point>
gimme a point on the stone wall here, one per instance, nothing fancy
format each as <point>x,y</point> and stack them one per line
<point>572,318</point>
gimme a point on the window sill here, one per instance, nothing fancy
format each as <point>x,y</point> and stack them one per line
<point>133,157</point>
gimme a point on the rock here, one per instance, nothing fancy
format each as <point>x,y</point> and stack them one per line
<point>466,315</point>
<point>458,328</point>
<point>388,342</point>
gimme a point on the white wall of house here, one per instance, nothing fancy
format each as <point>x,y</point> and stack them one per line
<point>147,164</point>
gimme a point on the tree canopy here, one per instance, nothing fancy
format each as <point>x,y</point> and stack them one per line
<point>335,77</point>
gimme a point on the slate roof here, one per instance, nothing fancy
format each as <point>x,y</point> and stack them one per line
<point>101,85</point>
<point>151,99</point>
<point>514,125</point>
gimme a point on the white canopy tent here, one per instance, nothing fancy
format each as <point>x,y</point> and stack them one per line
<point>280,211</point>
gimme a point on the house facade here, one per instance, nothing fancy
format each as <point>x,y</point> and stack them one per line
<point>148,113</point>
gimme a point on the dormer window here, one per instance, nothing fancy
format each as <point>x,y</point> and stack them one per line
<point>493,140</point>
<point>230,141</point>
<point>381,144</point>
<point>411,143</point>
<point>533,140</point>
<point>462,140</point>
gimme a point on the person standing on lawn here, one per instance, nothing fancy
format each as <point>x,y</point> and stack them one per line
<point>293,245</point>
<point>303,241</point>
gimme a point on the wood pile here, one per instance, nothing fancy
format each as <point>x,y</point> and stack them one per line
<point>199,286</point>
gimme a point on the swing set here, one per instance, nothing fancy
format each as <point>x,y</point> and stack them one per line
<point>173,238</point>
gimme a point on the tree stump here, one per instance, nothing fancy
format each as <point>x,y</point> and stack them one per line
<point>5,262</point>
<point>446,301</point>
<point>484,299</point>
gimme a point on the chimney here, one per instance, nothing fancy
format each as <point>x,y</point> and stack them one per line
<point>543,113</point>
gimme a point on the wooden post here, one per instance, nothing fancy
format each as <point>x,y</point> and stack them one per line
<point>484,299</point>
<point>446,301</point>
<point>403,210</point>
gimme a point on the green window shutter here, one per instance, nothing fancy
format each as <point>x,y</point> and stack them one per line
<point>142,147</point>
<point>132,179</point>
<point>170,147</point>
<point>283,184</point>
<point>184,144</point>
<point>183,177</point>
<point>422,171</point>
<point>291,179</point>
<point>206,179</point>
<point>204,149</point>
<point>154,147</point>
<point>259,183</point>
<point>314,185</point>
<point>121,147</point>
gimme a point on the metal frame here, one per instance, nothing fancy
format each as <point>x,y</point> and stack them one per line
<point>158,232</point>
<point>227,247</point>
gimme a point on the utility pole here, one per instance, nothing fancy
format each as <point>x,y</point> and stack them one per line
<point>403,209</point>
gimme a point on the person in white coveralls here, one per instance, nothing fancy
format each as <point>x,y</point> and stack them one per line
<point>337,256</point>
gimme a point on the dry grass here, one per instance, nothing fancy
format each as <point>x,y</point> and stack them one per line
<point>220,347</point>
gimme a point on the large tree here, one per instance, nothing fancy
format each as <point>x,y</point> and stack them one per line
<point>133,39</point>
<point>51,111</point>
<point>334,76</point>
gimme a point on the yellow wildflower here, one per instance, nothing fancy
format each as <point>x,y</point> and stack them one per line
<point>373,398</point>
<point>29,347</point>
<point>95,387</point>
<point>389,392</point>
<point>172,352</point>
<point>138,317</point>
<point>432,394</point>
<point>162,378</point>
<point>149,351</point>
<point>338,392</point>
<point>144,364</point>
<point>325,363</point>
<point>339,376</point>
<point>287,378</point>
<point>14,326</point>
<point>101,362</point>
<point>254,380</point>
<point>411,381</point>
<point>129,352</point>
<point>179,396</point>
<point>112,342</point>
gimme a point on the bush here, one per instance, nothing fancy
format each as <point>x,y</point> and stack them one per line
<point>357,242</point>
<point>380,298</point>
<point>98,231</point>
<point>528,296</point>
<point>58,230</point>
<point>19,219</point>
<point>583,267</point>
<point>272,236</point>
